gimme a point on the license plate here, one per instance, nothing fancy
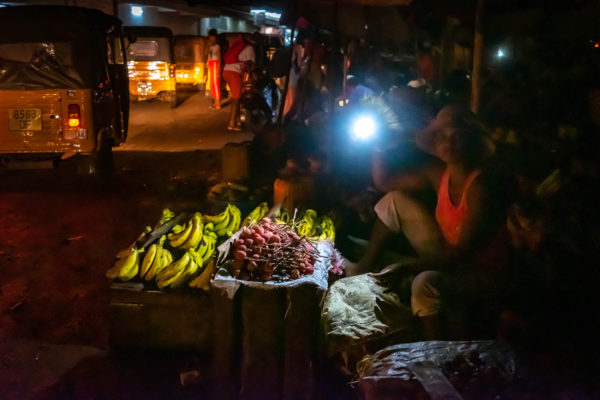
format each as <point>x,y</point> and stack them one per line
<point>25,119</point>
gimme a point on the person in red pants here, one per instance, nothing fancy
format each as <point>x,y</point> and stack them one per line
<point>239,59</point>
<point>214,68</point>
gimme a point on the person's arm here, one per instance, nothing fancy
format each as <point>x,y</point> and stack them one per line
<point>248,58</point>
<point>420,178</point>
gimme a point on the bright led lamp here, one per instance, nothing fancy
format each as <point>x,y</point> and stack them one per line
<point>364,128</point>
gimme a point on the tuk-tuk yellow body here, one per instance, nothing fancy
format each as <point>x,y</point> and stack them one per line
<point>38,121</point>
<point>151,63</point>
<point>190,57</point>
<point>63,84</point>
<point>150,78</point>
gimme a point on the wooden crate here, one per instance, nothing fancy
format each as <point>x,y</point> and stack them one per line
<point>169,320</point>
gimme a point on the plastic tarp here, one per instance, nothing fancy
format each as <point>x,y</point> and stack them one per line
<point>267,334</point>
<point>40,65</point>
<point>53,47</point>
<point>389,372</point>
<point>360,317</point>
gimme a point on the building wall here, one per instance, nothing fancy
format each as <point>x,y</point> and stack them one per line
<point>153,16</point>
<point>226,24</point>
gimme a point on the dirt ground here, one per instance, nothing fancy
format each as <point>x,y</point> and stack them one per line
<point>59,233</point>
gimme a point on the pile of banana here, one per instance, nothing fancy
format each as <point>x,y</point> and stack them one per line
<point>317,228</point>
<point>193,245</point>
<point>310,225</point>
<point>184,256</point>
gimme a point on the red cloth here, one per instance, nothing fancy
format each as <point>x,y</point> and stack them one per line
<point>235,48</point>
<point>215,79</point>
<point>234,80</point>
<point>450,217</point>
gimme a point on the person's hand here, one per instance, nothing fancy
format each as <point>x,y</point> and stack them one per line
<point>392,275</point>
<point>353,269</point>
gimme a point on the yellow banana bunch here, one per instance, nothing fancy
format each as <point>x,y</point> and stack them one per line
<point>152,259</point>
<point>257,214</point>
<point>189,235</point>
<point>283,218</point>
<point>191,269</point>
<point>202,280</point>
<point>307,226</point>
<point>207,246</point>
<point>166,216</point>
<point>126,267</point>
<point>168,275</point>
<point>162,260</point>
<point>219,221</point>
<point>327,229</point>
<point>127,251</point>
<point>197,232</point>
<point>177,239</point>
<point>235,218</point>
<point>151,254</point>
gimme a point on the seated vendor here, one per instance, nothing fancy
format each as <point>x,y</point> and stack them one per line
<point>460,245</point>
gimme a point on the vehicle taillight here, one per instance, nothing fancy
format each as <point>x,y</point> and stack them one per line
<point>74,115</point>
<point>172,70</point>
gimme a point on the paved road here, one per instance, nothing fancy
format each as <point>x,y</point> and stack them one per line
<point>154,126</point>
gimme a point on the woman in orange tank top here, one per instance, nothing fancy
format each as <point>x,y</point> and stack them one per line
<point>461,248</point>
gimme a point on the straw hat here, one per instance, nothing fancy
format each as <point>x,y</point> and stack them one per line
<point>463,120</point>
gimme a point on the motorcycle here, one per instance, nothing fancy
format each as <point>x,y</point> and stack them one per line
<point>259,101</point>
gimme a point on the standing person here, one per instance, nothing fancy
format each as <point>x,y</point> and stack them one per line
<point>238,60</point>
<point>214,69</point>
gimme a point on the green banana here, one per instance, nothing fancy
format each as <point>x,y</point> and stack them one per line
<point>126,268</point>
<point>177,239</point>
<point>197,232</point>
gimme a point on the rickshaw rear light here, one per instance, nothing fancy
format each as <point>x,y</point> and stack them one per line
<point>172,71</point>
<point>74,113</point>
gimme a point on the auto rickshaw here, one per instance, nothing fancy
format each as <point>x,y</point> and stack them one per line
<point>151,63</point>
<point>190,57</point>
<point>63,85</point>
